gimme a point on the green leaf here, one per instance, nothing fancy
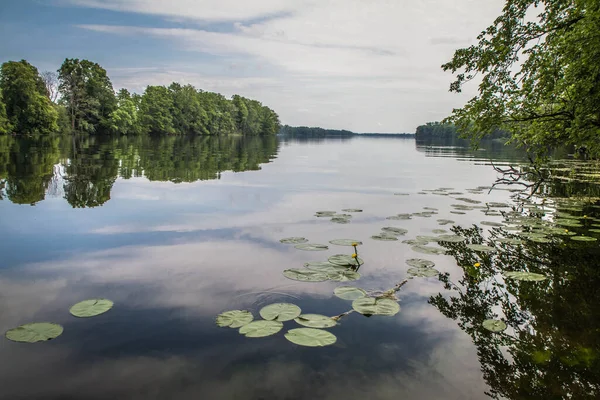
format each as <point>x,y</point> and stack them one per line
<point>393,231</point>
<point>311,247</point>
<point>349,292</point>
<point>491,223</point>
<point>294,240</point>
<point>310,337</point>
<point>451,238</point>
<point>345,242</point>
<point>305,275</point>
<point>583,238</point>
<point>234,318</point>
<point>428,250</point>
<point>494,325</point>
<point>524,276</point>
<point>91,308</point>
<point>420,263</point>
<point>261,328</point>
<point>384,237</point>
<point>372,306</point>
<point>481,248</point>
<point>399,217</point>
<point>345,260</point>
<point>343,276</point>
<point>315,321</point>
<point>280,312</point>
<point>423,272</point>
<point>352,210</point>
<point>34,332</point>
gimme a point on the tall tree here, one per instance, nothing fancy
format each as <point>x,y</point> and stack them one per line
<point>4,123</point>
<point>88,94</point>
<point>124,119</point>
<point>24,94</point>
<point>155,111</point>
<point>540,77</point>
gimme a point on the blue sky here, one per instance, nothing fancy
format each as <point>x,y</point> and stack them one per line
<point>365,66</point>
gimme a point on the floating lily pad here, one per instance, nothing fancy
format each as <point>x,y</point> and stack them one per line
<point>423,272</point>
<point>393,231</point>
<point>345,242</point>
<point>234,318</point>
<point>401,194</point>
<point>315,321</point>
<point>257,329</point>
<point>491,223</point>
<point>414,242</point>
<point>481,247</point>
<point>494,325</point>
<point>510,241</point>
<point>294,240</point>
<point>524,276</point>
<point>430,209</point>
<point>306,275</point>
<point>569,223</point>
<point>91,308</point>
<point>349,292</point>
<point>457,212</point>
<point>340,220</point>
<point>439,231</point>
<point>428,250</point>
<point>467,200</point>
<point>420,263</point>
<point>345,260</point>
<point>399,217</point>
<point>352,210</point>
<point>424,214</point>
<point>583,238</point>
<point>280,312</point>
<point>325,213</point>
<point>343,276</point>
<point>34,332</point>
<point>372,306</point>
<point>445,221</point>
<point>385,237</point>
<point>451,238</point>
<point>497,205</point>
<point>540,239</point>
<point>427,239</point>
<point>311,247</point>
<point>310,337</point>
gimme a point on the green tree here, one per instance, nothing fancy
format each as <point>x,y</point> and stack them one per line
<point>27,108</point>
<point>155,111</point>
<point>88,94</point>
<point>4,123</point>
<point>189,117</point>
<point>539,76</point>
<point>124,119</point>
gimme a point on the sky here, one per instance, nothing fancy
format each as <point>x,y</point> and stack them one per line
<point>361,65</point>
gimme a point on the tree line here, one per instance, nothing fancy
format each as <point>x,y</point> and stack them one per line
<point>443,130</point>
<point>79,98</point>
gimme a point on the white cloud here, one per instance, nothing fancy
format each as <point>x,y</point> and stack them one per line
<point>365,66</point>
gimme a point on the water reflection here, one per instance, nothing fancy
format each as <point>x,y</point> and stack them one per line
<point>84,169</point>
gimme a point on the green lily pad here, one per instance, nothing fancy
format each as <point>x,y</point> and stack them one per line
<point>257,329</point>
<point>491,223</point>
<point>280,312</point>
<point>310,337</point>
<point>538,239</point>
<point>414,242</point>
<point>583,238</point>
<point>352,210</point>
<point>372,306</point>
<point>481,247</point>
<point>343,276</point>
<point>569,223</point>
<point>294,240</point>
<point>424,214</point>
<point>451,238</point>
<point>401,194</point>
<point>439,231</point>
<point>385,237</point>
<point>325,267</point>
<point>497,205</point>
<point>524,276</point>
<point>315,321</point>
<point>423,272</point>
<point>467,200</point>
<point>349,292</point>
<point>428,250</point>
<point>457,212</point>
<point>393,231</point>
<point>340,220</point>
<point>91,308</point>
<point>430,209</point>
<point>345,260</point>
<point>34,332</point>
<point>325,213</point>
<point>494,325</point>
<point>234,318</point>
<point>420,263</point>
<point>311,247</point>
<point>510,241</point>
<point>445,221</point>
<point>306,275</point>
<point>345,242</point>
<point>399,217</point>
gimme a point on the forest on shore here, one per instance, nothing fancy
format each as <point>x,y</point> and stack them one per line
<point>80,98</point>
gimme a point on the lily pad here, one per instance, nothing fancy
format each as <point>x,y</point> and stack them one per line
<point>372,306</point>
<point>315,321</point>
<point>538,239</point>
<point>294,240</point>
<point>439,231</point>
<point>325,268</point>
<point>420,263</point>
<point>457,212</point>
<point>261,328</point>
<point>384,237</point>
<point>414,242</point>
<point>345,260</point>
<point>343,276</point>
<point>451,238</point>
<point>423,272</point>
<point>390,230</point>
<point>306,275</point>
<point>34,332</point>
<point>481,248</point>
<point>428,250</point>
<point>494,325</point>
<point>340,220</point>
<point>467,200</point>
<point>445,221</point>
<point>399,217</point>
<point>311,247</point>
<point>401,194</point>
<point>510,241</point>
<point>310,337</point>
<point>524,276</point>
<point>234,318</point>
<point>349,292</point>
<point>91,308</point>
<point>491,223</point>
<point>583,238</point>
<point>345,242</point>
<point>325,213</point>
<point>352,210</point>
<point>280,312</point>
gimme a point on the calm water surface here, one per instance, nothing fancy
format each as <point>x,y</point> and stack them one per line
<point>176,231</point>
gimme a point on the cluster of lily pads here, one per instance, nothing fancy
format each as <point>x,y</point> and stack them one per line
<point>44,331</point>
<point>341,218</point>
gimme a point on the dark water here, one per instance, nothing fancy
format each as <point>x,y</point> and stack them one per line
<point>178,230</point>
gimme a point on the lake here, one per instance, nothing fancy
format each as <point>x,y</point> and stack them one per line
<point>177,230</point>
